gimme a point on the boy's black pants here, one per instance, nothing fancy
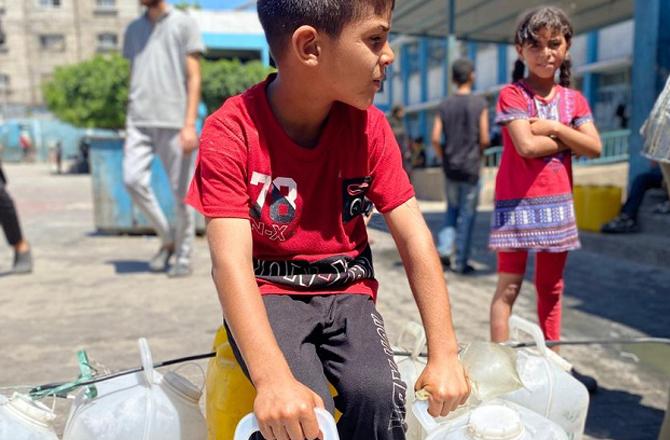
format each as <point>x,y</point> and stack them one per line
<point>341,339</point>
<point>8,218</point>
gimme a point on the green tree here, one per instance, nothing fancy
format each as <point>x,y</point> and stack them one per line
<point>225,78</point>
<point>92,93</point>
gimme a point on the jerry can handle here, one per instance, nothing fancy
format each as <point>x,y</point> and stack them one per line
<point>420,410</point>
<point>248,425</point>
<point>418,335</point>
<point>520,325</point>
<point>147,361</point>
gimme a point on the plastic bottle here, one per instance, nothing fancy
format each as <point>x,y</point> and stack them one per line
<point>249,425</point>
<point>494,420</point>
<point>549,389</point>
<point>23,419</point>
<point>144,405</point>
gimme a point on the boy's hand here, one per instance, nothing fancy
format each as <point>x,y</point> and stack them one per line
<point>544,127</point>
<point>188,138</point>
<point>447,385</point>
<point>285,410</point>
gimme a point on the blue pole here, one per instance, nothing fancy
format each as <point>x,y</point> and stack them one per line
<point>591,79</point>
<point>651,65</point>
<point>502,64</point>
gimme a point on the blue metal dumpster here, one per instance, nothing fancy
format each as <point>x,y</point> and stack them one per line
<point>113,208</point>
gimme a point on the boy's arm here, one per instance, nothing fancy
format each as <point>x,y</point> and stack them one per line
<point>484,139</point>
<point>282,403</point>
<point>443,377</point>
<point>436,138</point>
<point>188,135</point>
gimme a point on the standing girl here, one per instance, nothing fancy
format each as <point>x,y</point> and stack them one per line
<point>544,123</point>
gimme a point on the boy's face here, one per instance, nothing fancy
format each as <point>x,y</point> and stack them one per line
<point>354,63</point>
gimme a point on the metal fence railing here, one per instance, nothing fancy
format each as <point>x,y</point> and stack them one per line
<point>615,149</point>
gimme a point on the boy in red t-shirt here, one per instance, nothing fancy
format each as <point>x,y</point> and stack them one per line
<point>285,172</point>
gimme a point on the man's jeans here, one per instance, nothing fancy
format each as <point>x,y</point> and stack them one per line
<point>462,200</point>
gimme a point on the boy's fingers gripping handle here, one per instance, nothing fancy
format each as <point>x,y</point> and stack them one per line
<point>249,425</point>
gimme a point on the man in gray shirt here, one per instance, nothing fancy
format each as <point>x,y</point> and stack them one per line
<point>163,47</point>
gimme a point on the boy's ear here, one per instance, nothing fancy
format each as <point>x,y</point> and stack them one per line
<point>305,45</point>
<point>519,51</point>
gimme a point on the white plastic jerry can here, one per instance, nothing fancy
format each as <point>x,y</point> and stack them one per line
<point>493,420</point>
<point>412,339</point>
<point>249,425</point>
<point>141,406</point>
<point>549,389</point>
<point>23,419</point>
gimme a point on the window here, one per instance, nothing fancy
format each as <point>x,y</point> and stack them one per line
<point>49,3</point>
<point>437,51</point>
<point>52,42</point>
<point>4,82</point>
<point>105,5</point>
<point>107,42</point>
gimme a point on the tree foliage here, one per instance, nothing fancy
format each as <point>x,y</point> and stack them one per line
<point>90,94</point>
<point>225,78</point>
<point>94,93</point>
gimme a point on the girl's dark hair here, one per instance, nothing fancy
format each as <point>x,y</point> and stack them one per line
<point>531,23</point>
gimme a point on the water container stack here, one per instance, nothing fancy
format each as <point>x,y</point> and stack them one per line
<point>145,405</point>
<point>23,419</point>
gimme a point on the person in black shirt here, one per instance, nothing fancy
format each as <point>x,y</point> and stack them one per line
<point>463,121</point>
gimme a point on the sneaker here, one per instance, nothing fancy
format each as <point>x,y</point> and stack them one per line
<point>159,262</point>
<point>662,208</point>
<point>446,261</point>
<point>589,382</point>
<point>621,224</point>
<point>463,270</point>
<point>180,270</point>
<point>23,263</point>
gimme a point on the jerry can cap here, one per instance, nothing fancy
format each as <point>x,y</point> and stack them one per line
<point>495,422</point>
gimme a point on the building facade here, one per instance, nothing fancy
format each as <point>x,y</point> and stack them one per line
<point>44,34</point>
<point>419,80</point>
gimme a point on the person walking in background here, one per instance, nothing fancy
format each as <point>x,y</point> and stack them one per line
<point>463,120</point>
<point>164,47</point>
<point>23,260</point>
<point>400,132</point>
<point>543,124</point>
<point>656,133</point>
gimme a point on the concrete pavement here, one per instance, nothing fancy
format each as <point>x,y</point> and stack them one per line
<point>94,292</point>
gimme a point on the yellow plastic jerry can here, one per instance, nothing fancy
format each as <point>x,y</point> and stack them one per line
<point>230,395</point>
<point>596,205</point>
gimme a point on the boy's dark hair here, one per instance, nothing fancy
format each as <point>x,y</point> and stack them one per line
<point>280,18</point>
<point>461,71</point>
<point>531,23</point>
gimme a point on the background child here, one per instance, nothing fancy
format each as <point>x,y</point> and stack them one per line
<point>544,123</point>
<point>463,120</point>
<point>283,174</point>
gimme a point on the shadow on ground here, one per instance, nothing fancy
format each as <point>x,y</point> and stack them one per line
<point>619,415</point>
<point>617,290</point>
<point>124,267</point>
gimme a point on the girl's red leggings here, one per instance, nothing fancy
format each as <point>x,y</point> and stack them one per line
<point>549,268</point>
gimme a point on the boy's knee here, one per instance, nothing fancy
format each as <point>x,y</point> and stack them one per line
<point>378,393</point>
<point>133,182</point>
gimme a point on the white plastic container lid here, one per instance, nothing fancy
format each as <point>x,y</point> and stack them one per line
<point>495,422</point>
<point>33,412</point>
<point>182,386</point>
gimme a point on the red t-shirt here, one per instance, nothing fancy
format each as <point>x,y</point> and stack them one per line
<point>304,204</point>
<point>533,196</point>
